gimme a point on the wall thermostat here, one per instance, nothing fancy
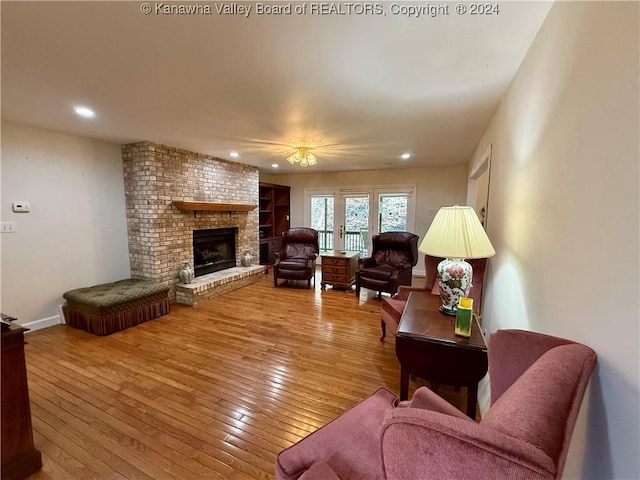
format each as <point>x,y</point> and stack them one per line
<point>21,207</point>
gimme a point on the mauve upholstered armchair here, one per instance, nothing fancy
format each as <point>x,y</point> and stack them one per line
<point>537,385</point>
<point>391,308</point>
<point>393,256</point>
<point>297,259</point>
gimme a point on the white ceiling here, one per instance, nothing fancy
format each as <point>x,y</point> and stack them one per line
<point>360,90</point>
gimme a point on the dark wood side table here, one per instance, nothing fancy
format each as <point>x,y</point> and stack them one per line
<point>20,459</point>
<point>339,268</point>
<point>427,347</point>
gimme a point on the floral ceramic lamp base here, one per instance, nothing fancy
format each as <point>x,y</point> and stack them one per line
<point>454,280</point>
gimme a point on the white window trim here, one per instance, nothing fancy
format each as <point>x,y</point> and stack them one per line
<point>373,191</point>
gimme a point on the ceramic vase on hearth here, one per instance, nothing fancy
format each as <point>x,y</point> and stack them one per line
<point>186,274</point>
<point>246,259</point>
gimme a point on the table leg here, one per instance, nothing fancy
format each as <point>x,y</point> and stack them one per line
<point>472,400</point>
<point>404,384</point>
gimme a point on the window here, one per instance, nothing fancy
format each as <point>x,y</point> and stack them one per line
<point>392,212</point>
<point>322,216</point>
<point>346,219</point>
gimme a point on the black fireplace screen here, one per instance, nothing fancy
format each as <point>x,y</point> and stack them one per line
<point>214,249</point>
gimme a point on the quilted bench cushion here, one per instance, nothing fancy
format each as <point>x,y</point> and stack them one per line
<point>111,307</point>
<point>108,295</point>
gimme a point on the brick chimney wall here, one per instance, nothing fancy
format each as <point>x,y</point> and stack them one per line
<point>160,235</point>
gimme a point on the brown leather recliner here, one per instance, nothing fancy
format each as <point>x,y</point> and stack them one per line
<point>391,263</point>
<point>297,259</point>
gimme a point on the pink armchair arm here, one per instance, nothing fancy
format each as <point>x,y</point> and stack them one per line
<point>415,441</point>
<point>347,445</point>
<point>319,471</point>
<point>428,400</point>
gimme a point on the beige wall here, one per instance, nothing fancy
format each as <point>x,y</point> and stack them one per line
<point>563,215</point>
<point>76,232</point>
<point>436,187</point>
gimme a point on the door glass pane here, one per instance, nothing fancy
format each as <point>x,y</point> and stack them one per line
<point>393,213</point>
<point>322,220</point>
<point>356,223</point>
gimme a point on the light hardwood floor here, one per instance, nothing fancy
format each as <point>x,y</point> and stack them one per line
<point>206,392</point>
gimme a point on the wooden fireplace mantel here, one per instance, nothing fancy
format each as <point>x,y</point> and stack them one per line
<point>187,206</point>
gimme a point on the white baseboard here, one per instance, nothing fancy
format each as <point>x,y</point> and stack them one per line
<point>484,395</point>
<point>43,323</point>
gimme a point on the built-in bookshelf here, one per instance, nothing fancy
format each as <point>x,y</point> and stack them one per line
<point>274,218</point>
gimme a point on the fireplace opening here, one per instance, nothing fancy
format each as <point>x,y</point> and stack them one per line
<point>214,249</point>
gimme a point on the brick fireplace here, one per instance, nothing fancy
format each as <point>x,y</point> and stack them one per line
<point>161,235</point>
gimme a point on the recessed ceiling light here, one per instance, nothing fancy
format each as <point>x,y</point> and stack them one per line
<point>274,165</point>
<point>405,156</point>
<point>234,154</point>
<point>84,112</point>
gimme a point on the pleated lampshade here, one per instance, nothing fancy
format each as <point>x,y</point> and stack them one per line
<point>456,232</point>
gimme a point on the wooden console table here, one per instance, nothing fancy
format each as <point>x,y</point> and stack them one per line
<point>339,268</point>
<point>20,459</point>
<point>427,347</point>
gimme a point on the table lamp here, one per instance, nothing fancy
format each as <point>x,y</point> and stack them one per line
<point>455,234</point>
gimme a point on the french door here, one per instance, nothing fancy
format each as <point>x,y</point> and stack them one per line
<point>346,220</point>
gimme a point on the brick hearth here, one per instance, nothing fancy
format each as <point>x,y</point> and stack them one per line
<point>217,283</point>
<point>160,235</point>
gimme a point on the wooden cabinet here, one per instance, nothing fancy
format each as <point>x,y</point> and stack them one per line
<point>268,248</point>
<point>20,459</point>
<point>274,218</point>
<point>339,269</point>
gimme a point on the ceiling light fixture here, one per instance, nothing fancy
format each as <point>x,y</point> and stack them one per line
<point>302,156</point>
<point>274,165</point>
<point>84,112</point>
<point>234,154</point>
<point>405,156</point>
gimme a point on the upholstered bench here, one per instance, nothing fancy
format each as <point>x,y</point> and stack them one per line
<point>111,307</point>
